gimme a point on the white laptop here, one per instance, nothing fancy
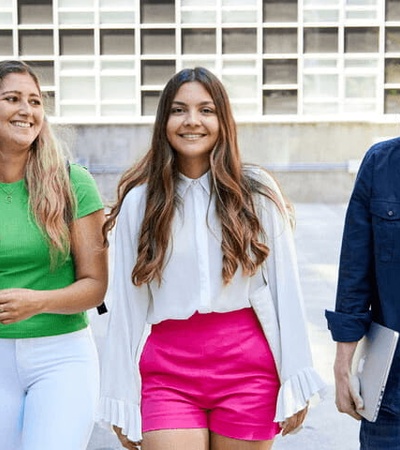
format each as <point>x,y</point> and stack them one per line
<point>371,364</point>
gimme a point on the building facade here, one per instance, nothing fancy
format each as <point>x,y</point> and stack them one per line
<point>296,64</point>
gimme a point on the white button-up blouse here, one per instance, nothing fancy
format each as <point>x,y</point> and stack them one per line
<point>192,278</point>
<point>192,282</point>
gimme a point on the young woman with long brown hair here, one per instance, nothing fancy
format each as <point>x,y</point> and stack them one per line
<point>53,267</point>
<point>204,257</point>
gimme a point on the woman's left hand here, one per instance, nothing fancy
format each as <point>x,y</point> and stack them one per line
<point>125,442</point>
<point>18,304</point>
<point>292,424</point>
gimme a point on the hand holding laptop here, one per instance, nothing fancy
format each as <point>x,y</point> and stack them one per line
<point>371,366</point>
<point>355,390</point>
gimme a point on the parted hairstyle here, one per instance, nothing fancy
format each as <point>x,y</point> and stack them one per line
<point>232,185</point>
<point>51,200</point>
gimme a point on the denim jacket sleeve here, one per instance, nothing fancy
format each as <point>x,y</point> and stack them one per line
<point>356,282</point>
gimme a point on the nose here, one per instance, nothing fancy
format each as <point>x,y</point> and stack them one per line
<point>25,108</point>
<point>192,118</point>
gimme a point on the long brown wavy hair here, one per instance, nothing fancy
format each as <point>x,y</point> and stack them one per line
<point>51,199</point>
<point>233,186</point>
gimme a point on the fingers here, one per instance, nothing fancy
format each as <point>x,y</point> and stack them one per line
<point>125,442</point>
<point>355,392</point>
<point>7,315</point>
<point>348,398</point>
<point>130,445</point>
<point>349,409</point>
<point>4,314</point>
<point>6,307</point>
<point>17,305</point>
<point>293,424</point>
<point>3,306</point>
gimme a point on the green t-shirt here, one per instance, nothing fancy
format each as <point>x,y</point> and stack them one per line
<point>25,260</point>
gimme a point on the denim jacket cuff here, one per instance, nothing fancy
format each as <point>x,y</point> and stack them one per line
<point>346,327</point>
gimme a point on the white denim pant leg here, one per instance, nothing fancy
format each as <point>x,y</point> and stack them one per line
<point>11,397</point>
<point>59,376</point>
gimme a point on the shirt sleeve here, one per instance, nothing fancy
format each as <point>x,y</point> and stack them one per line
<point>88,199</point>
<point>120,379</point>
<point>299,380</point>
<point>356,279</point>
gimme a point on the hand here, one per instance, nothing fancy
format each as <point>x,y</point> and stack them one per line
<point>293,423</point>
<point>18,304</point>
<point>126,443</point>
<point>348,398</point>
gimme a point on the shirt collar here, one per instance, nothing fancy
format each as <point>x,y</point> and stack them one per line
<point>185,183</point>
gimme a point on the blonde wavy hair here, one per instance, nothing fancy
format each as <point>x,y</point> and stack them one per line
<point>51,199</point>
<point>233,187</point>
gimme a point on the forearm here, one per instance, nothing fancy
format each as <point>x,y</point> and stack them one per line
<point>91,271</point>
<point>86,292</point>
<point>19,304</point>
<point>344,357</point>
<point>83,294</point>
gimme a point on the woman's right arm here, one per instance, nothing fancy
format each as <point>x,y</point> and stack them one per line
<point>120,378</point>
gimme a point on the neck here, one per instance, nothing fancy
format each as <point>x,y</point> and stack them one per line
<point>194,170</point>
<point>12,168</point>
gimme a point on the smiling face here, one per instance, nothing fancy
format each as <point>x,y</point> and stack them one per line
<point>193,128</point>
<point>21,112</point>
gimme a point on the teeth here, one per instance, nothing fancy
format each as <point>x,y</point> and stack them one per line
<point>22,124</point>
<point>191,136</point>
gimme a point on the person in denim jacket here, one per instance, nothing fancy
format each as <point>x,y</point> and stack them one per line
<point>369,286</point>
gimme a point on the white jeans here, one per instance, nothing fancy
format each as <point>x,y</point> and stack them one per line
<point>48,392</point>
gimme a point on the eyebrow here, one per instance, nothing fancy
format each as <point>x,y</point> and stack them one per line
<point>207,102</point>
<point>19,92</point>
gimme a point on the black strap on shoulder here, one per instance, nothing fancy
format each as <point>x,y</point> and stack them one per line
<point>101,309</point>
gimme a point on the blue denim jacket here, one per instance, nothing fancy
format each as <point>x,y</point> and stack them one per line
<point>369,271</point>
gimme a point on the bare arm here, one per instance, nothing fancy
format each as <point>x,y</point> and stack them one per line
<point>86,292</point>
<point>348,400</point>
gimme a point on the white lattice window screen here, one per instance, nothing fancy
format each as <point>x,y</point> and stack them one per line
<point>107,60</point>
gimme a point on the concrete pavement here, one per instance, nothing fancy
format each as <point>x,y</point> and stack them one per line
<point>318,237</point>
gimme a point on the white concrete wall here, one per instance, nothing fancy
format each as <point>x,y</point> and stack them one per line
<point>314,162</point>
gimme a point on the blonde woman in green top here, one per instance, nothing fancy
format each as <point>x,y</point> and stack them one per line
<point>53,267</point>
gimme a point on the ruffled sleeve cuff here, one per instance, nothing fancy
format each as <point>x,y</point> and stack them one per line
<point>296,392</point>
<point>123,415</point>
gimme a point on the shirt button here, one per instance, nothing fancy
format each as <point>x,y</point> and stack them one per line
<point>194,182</point>
<point>390,213</point>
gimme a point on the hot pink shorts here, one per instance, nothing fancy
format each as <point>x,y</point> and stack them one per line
<point>212,371</point>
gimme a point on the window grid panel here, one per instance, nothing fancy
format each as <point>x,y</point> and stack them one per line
<point>380,106</point>
<point>6,43</point>
<point>56,60</point>
<point>392,10</point>
<point>97,53</point>
<point>6,16</point>
<point>315,31</point>
<point>258,107</point>
<point>300,57</point>
<point>341,57</point>
<point>38,12</point>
